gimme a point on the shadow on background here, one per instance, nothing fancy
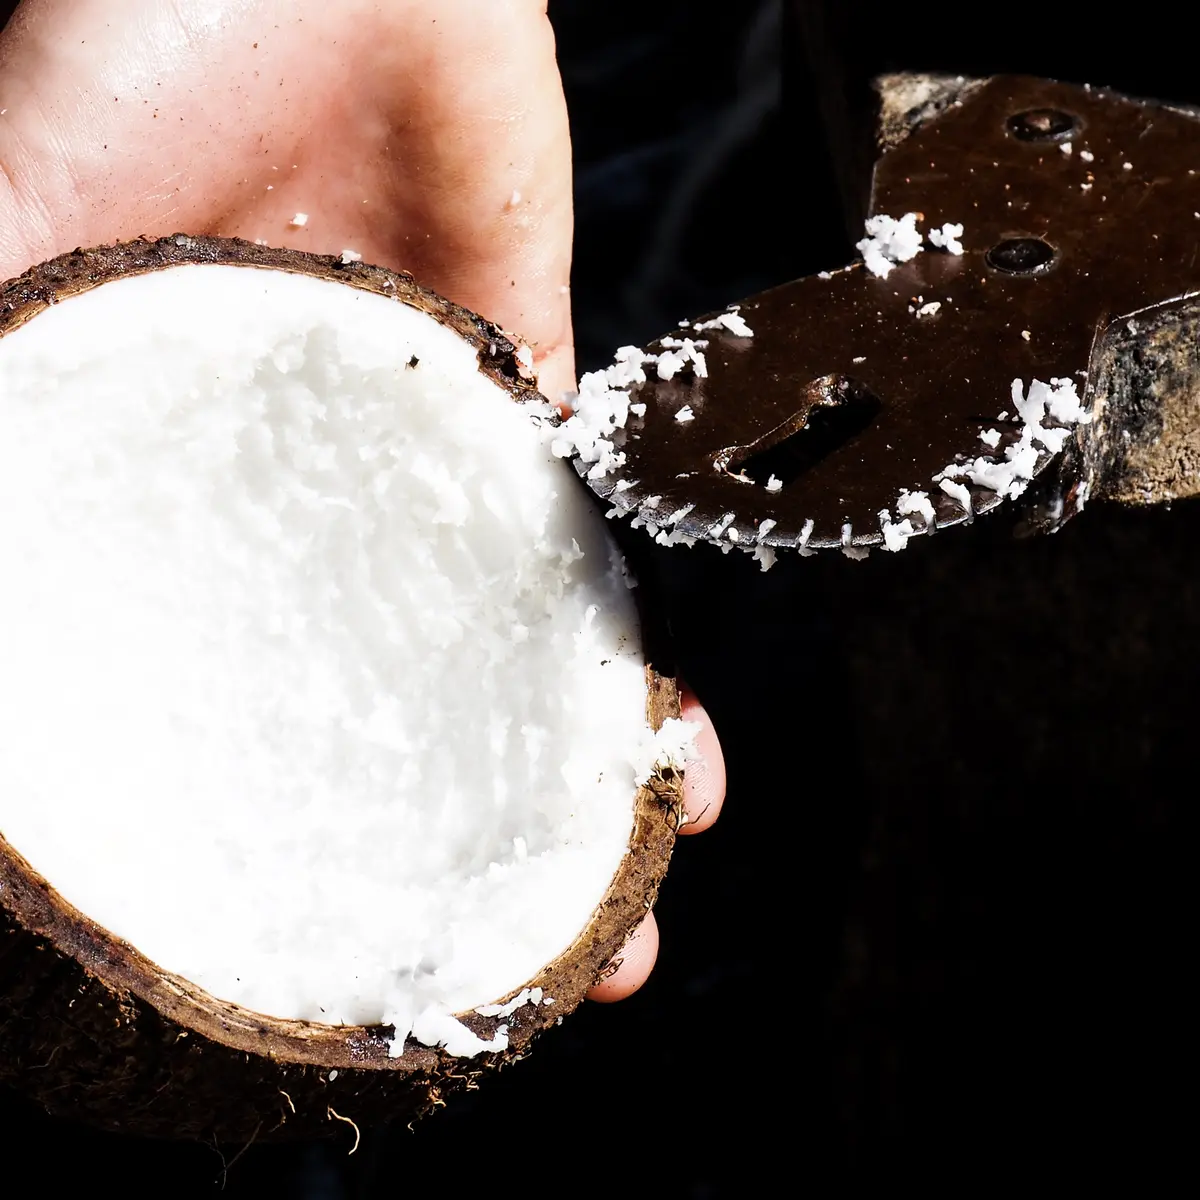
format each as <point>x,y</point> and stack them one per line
<point>940,930</point>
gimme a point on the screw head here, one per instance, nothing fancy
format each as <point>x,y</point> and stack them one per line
<point>1043,125</point>
<point>1021,256</point>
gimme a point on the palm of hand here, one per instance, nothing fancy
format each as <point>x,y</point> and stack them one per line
<point>150,116</point>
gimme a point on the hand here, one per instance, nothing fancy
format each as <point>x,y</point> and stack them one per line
<point>426,135</point>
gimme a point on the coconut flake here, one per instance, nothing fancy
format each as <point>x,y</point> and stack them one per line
<point>947,238</point>
<point>888,242</point>
<point>350,256</point>
<point>895,536</point>
<point>917,504</point>
<point>1009,476</point>
<point>671,747</point>
<point>436,1027</point>
<point>731,321</point>
<point>298,220</point>
<point>523,997</point>
<point>956,491</point>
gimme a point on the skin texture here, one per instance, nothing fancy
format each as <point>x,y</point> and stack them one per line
<point>426,135</point>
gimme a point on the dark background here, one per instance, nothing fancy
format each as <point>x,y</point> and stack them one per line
<point>941,933</point>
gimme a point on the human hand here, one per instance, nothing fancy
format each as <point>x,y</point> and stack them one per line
<point>426,136</point>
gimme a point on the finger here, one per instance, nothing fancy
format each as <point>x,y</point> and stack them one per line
<point>632,966</point>
<point>498,220</point>
<point>704,777</point>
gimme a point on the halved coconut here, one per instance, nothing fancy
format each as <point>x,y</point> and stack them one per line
<point>329,771</point>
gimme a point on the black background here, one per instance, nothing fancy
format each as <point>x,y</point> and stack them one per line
<point>941,933</point>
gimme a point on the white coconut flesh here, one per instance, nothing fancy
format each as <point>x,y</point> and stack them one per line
<point>320,681</point>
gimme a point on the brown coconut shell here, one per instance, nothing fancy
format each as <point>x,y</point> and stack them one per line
<point>93,1030</point>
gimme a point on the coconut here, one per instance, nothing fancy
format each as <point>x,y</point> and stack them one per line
<point>334,771</point>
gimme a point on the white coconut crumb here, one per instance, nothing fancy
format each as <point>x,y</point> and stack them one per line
<point>1059,401</point>
<point>1063,402</point>
<point>805,534</point>
<point>673,746</point>
<point>1026,335</point>
<point>1127,166</point>
<point>956,491</point>
<point>895,536</point>
<point>685,414</point>
<point>917,504</point>
<point>1086,156</point>
<point>673,537</point>
<point>947,238</point>
<point>715,531</point>
<point>774,484</point>
<point>765,527</point>
<point>847,533</point>
<point>732,321</point>
<point>1002,416</point>
<point>600,408</point>
<point>1066,148</point>
<point>929,310</point>
<point>990,437</point>
<point>261,242</point>
<point>1085,187</point>
<point>856,553</point>
<point>638,410</point>
<point>765,556</point>
<point>888,242</point>
<point>824,274</point>
<point>514,199</point>
<point>862,358</point>
<point>350,256</point>
<point>523,997</point>
<point>299,219</point>
<point>733,534</point>
<point>435,1027</point>
<point>525,357</point>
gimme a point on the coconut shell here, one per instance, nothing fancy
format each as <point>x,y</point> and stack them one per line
<point>93,1030</point>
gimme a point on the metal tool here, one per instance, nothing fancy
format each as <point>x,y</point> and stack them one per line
<point>1081,218</point>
